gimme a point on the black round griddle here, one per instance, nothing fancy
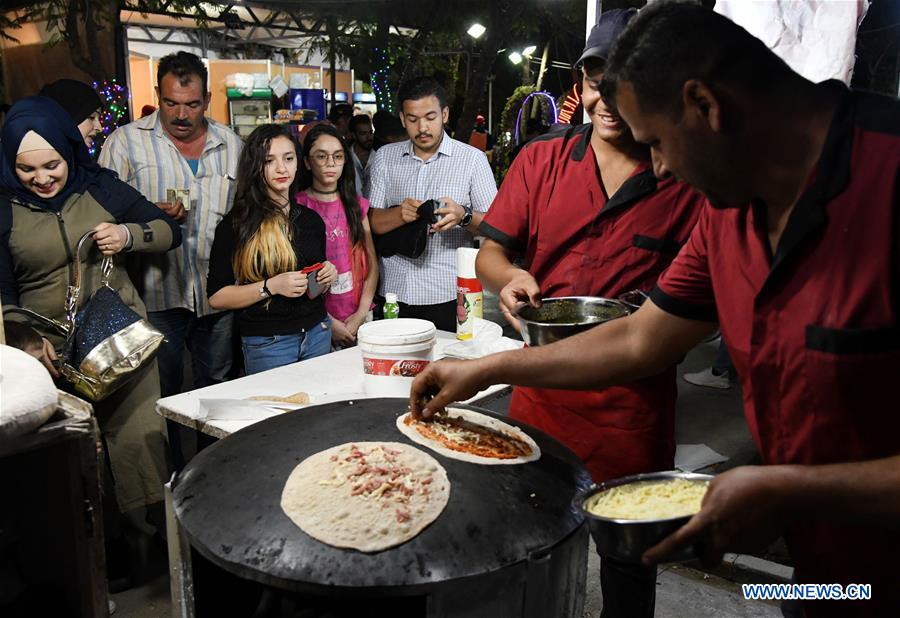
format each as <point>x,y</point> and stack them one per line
<point>228,501</point>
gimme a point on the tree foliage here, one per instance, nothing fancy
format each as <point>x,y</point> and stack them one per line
<point>78,22</point>
<point>397,38</point>
<point>505,142</point>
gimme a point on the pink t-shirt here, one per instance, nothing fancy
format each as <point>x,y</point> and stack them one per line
<point>339,302</point>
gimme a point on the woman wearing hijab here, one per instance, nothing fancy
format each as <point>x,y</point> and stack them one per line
<point>81,102</point>
<point>51,193</point>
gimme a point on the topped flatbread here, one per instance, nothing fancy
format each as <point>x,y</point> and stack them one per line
<point>367,496</point>
<point>469,436</point>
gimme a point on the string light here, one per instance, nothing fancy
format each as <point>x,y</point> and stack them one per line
<point>537,93</point>
<point>380,84</point>
<point>115,105</point>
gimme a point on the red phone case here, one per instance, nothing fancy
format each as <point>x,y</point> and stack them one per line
<point>312,268</point>
<point>314,287</point>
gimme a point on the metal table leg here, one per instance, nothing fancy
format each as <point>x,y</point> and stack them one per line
<point>181,576</point>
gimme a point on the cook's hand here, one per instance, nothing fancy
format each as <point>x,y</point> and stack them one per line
<point>327,274</point>
<point>742,511</point>
<point>522,289</point>
<point>48,355</point>
<point>340,334</point>
<point>409,209</point>
<point>448,381</point>
<point>451,214</point>
<point>110,238</point>
<point>175,210</point>
<point>290,284</point>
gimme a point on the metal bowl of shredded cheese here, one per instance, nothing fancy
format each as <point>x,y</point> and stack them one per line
<point>628,516</point>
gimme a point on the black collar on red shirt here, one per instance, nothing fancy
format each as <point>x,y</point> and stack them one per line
<point>584,131</point>
<point>641,184</point>
<point>831,178</point>
<point>633,189</point>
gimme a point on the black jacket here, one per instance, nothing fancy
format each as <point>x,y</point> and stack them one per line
<point>281,315</point>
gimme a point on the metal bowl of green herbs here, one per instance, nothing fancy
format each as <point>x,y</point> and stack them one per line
<point>564,316</point>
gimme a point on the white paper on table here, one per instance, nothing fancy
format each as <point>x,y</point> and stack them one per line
<point>487,338</point>
<point>236,410</point>
<point>691,457</point>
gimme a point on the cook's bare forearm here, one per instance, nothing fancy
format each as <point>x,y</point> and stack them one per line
<point>857,492</point>
<point>494,266</point>
<point>616,352</point>
<point>573,363</point>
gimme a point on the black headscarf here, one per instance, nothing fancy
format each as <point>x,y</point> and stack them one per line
<point>77,98</point>
<point>49,120</point>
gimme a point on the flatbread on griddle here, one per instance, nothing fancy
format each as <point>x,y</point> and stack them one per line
<point>475,418</point>
<point>367,496</point>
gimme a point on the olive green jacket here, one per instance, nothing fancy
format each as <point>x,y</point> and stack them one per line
<point>37,247</point>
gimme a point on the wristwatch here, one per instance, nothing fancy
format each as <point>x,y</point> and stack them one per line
<point>264,290</point>
<point>467,217</point>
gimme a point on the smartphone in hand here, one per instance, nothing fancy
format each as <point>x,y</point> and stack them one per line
<point>313,287</point>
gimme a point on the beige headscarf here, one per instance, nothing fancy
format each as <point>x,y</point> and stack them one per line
<point>33,141</point>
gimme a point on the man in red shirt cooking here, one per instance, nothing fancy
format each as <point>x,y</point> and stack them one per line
<point>799,263</point>
<point>585,210</point>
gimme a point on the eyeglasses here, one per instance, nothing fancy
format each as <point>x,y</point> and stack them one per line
<point>321,158</point>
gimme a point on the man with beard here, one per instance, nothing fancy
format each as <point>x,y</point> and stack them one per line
<point>430,165</point>
<point>186,164</point>
<point>798,262</point>
<point>362,135</point>
<point>586,212</point>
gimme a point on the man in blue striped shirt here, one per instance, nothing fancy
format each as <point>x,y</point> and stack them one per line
<point>187,165</point>
<point>429,165</point>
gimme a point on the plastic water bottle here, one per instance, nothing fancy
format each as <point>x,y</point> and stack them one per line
<point>391,308</point>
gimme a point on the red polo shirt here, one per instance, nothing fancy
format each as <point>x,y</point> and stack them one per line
<point>552,209</point>
<point>813,331</point>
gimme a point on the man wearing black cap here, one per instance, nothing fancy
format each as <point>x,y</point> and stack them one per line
<point>585,211</point>
<point>81,101</point>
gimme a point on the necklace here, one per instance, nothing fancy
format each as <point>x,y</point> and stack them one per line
<point>323,193</point>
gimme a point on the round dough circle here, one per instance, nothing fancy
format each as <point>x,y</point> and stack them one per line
<point>324,508</point>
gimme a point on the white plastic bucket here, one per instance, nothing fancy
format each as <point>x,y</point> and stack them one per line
<point>393,353</point>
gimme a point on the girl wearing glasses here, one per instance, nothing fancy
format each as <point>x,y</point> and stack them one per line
<point>330,190</point>
<point>259,254</point>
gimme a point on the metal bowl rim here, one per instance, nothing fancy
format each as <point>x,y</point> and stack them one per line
<point>582,496</point>
<point>598,300</point>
